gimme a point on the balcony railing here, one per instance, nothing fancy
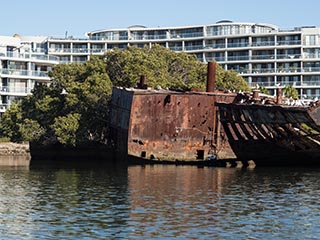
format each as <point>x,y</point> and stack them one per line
<point>262,43</point>
<point>261,57</point>
<point>187,35</point>
<point>27,55</point>
<point>177,48</point>
<point>148,37</point>
<point>218,59</point>
<point>60,50</point>
<point>17,72</point>
<point>14,90</point>
<point>310,83</point>
<point>98,50</point>
<point>238,58</point>
<point>291,83</point>
<point>80,50</point>
<point>195,47</point>
<point>289,56</point>
<point>238,45</point>
<point>262,83</point>
<point>311,69</point>
<point>268,70</point>
<point>289,42</point>
<point>311,55</point>
<point>262,70</point>
<point>110,38</point>
<point>215,45</point>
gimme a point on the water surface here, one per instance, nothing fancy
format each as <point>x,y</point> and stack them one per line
<point>158,201</point>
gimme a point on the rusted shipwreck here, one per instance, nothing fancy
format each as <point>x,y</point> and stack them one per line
<point>272,135</point>
<point>170,126</point>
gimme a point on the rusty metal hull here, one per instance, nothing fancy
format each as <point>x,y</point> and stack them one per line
<point>272,135</point>
<point>167,125</point>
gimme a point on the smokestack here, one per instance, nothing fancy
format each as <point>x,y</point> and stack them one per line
<point>279,96</point>
<point>211,77</point>
<point>142,84</point>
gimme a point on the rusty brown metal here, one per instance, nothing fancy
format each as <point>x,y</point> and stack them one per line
<point>167,125</point>
<point>279,96</point>
<point>211,77</point>
<point>280,135</point>
<point>188,126</point>
<point>142,83</point>
<point>256,95</point>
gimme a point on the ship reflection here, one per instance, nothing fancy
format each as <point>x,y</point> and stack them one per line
<point>176,196</point>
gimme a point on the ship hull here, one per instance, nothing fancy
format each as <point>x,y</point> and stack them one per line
<point>271,135</point>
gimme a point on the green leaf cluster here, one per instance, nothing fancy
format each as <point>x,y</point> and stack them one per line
<point>291,92</point>
<point>165,68</point>
<point>50,117</point>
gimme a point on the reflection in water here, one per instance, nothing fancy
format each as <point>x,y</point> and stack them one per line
<point>106,202</point>
<point>174,201</point>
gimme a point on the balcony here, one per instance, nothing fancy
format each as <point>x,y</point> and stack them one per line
<point>80,50</point>
<point>238,45</point>
<point>187,35</point>
<point>262,57</point>
<point>5,90</point>
<point>195,47</point>
<point>148,37</point>
<point>238,58</point>
<point>288,70</point>
<point>254,84</point>
<point>98,50</point>
<point>311,55</point>
<point>27,55</point>
<point>60,50</point>
<point>290,83</point>
<point>262,70</point>
<point>310,83</point>
<point>177,48</point>
<point>311,69</point>
<point>16,72</point>
<point>216,45</point>
<point>289,56</point>
<point>288,42</point>
<point>262,44</point>
<point>218,59</point>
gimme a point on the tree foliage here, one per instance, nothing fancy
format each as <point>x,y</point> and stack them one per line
<point>166,69</point>
<point>73,118</point>
<point>291,92</point>
<point>10,121</point>
<point>66,127</point>
<point>264,90</point>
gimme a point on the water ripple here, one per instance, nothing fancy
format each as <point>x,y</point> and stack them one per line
<point>159,202</point>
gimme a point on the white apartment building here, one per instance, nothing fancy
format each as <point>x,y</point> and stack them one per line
<point>23,63</point>
<point>261,53</point>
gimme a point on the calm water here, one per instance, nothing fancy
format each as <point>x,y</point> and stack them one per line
<point>182,202</point>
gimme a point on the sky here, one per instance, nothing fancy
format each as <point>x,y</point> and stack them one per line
<point>75,17</point>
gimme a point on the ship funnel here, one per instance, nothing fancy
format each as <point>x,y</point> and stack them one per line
<point>211,77</point>
<point>142,84</point>
<point>279,96</point>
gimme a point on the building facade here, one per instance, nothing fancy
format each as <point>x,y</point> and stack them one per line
<point>261,53</point>
<point>23,64</point>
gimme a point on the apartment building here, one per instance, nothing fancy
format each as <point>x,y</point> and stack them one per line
<point>24,62</point>
<point>262,53</point>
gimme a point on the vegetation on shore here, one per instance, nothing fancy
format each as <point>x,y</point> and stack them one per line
<point>73,109</point>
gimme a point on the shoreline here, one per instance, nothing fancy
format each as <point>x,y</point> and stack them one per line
<point>14,154</point>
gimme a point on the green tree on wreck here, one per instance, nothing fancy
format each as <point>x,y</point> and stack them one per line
<point>291,92</point>
<point>73,109</point>
<point>165,68</point>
